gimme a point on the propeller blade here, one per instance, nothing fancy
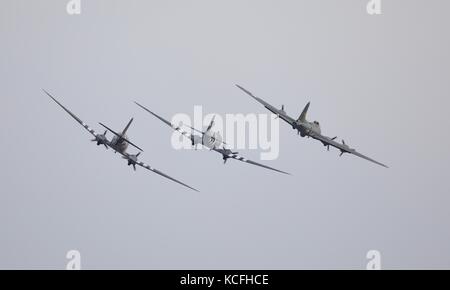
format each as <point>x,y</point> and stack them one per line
<point>211,123</point>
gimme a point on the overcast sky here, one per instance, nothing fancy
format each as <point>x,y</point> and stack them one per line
<point>379,82</point>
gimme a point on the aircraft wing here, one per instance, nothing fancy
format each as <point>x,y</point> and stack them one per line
<point>280,113</point>
<point>343,147</point>
<point>148,167</point>
<point>228,154</point>
<point>176,128</point>
<point>89,129</point>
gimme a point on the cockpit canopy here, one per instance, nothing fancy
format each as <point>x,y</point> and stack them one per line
<point>317,123</point>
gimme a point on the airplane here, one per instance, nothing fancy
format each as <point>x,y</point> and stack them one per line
<point>119,143</point>
<point>306,128</point>
<point>210,143</point>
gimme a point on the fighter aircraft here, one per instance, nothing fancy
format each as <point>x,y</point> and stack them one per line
<point>310,129</point>
<point>119,143</point>
<point>210,141</point>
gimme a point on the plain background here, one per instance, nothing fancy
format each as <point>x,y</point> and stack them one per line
<point>380,82</point>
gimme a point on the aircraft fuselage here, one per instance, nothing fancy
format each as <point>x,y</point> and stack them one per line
<point>307,128</point>
<point>119,144</point>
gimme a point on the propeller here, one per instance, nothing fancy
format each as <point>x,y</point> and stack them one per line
<point>193,138</point>
<point>101,139</point>
<point>278,115</point>
<point>342,151</point>
<point>328,145</point>
<point>226,152</point>
<point>132,159</point>
<point>224,156</point>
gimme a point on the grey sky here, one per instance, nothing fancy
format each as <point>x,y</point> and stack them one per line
<point>379,82</point>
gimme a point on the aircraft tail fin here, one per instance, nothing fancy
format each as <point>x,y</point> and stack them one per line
<point>126,128</point>
<point>303,114</point>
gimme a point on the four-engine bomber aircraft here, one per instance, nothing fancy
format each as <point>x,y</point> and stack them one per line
<point>209,140</point>
<point>119,143</point>
<point>310,129</point>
